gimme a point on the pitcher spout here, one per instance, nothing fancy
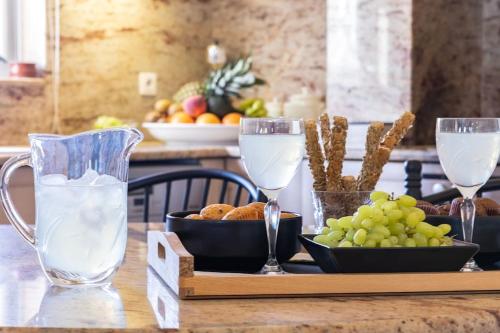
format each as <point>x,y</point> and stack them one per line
<point>135,138</point>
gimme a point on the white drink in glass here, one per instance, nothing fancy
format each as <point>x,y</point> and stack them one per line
<point>271,160</point>
<point>81,225</point>
<point>468,159</point>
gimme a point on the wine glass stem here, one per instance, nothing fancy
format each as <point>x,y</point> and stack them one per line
<point>272,217</point>
<point>468,212</point>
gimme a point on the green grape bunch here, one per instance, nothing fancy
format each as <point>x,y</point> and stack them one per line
<point>386,222</point>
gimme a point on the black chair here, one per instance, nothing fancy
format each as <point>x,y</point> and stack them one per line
<point>208,175</point>
<point>413,184</point>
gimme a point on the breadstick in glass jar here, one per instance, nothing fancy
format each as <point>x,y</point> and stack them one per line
<point>369,166</point>
<point>316,158</point>
<point>337,154</point>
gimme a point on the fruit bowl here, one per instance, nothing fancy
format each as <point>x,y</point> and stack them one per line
<point>194,134</point>
<point>233,246</point>
<point>390,259</point>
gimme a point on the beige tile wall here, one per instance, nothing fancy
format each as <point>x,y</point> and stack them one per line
<point>105,44</point>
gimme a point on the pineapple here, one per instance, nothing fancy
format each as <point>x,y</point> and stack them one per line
<point>194,88</point>
<point>227,82</point>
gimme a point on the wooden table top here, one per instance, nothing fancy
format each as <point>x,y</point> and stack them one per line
<point>139,301</point>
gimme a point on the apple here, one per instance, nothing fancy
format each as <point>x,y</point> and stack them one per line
<point>195,105</point>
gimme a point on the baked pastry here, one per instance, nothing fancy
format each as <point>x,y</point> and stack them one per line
<point>242,213</point>
<point>194,217</point>
<point>259,206</point>
<point>215,211</point>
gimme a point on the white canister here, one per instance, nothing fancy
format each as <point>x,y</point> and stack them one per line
<point>274,108</point>
<point>304,105</point>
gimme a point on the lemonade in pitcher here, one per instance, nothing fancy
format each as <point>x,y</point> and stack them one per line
<point>81,224</point>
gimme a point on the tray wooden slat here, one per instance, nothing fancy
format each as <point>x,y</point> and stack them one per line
<point>174,265</point>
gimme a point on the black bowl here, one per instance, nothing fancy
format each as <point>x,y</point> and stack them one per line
<point>486,234</point>
<point>233,246</point>
<point>389,260</point>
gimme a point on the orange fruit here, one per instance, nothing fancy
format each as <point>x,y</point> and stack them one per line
<point>181,118</point>
<point>232,118</point>
<point>208,118</point>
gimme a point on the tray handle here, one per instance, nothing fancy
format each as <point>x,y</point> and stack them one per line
<point>168,257</point>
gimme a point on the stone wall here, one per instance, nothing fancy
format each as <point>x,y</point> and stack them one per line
<point>287,39</point>
<point>369,59</point>
<point>490,79</point>
<point>105,44</point>
<point>24,108</point>
<point>446,63</point>
<point>438,58</point>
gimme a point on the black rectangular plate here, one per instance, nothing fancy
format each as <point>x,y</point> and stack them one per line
<point>389,260</point>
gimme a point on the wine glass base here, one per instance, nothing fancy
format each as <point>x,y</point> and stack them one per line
<point>272,268</point>
<point>471,266</point>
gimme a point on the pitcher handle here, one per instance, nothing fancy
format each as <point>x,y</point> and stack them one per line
<point>15,219</point>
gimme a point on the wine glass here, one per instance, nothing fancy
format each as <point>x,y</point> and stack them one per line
<point>271,151</point>
<point>468,150</point>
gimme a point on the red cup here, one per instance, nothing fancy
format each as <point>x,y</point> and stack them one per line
<point>21,69</point>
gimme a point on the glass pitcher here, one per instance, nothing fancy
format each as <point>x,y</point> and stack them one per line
<point>80,231</point>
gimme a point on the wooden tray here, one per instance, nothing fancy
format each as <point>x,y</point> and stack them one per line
<point>168,257</point>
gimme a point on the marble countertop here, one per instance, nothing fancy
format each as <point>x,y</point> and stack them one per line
<point>139,301</point>
<point>153,151</point>
<point>149,151</point>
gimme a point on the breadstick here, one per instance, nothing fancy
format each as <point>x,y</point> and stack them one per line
<point>398,130</point>
<point>325,132</point>
<point>382,157</point>
<point>391,140</point>
<point>316,159</point>
<point>369,165</point>
<point>337,154</point>
<point>349,183</point>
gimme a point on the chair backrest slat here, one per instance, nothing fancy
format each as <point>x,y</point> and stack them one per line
<point>187,194</point>
<point>168,189</point>
<point>250,199</point>
<point>223,191</point>
<point>206,190</point>
<point>237,196</point>
<point>168,178</point>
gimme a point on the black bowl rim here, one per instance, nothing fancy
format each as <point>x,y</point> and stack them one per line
<point>456,242</point>
<point>180,216</point>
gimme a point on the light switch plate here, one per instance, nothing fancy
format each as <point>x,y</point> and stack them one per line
<point>147,83</point>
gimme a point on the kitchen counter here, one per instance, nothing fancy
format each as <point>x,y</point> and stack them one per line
<point>150,151</point>
<point>153,151</point>
<point>139,301</point>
